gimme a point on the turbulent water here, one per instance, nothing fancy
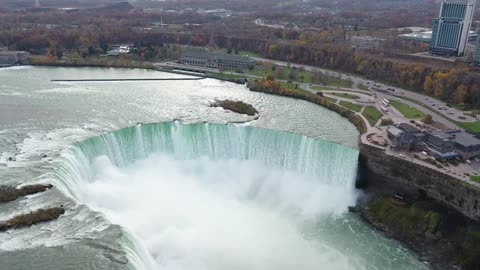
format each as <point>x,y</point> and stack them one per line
<point>180,196</point>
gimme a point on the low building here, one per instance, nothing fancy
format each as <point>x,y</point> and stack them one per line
<point>440,145</point>
<point>466,144</point>
<point>439,141</point>
<point>9,58</point>
<point>217,61</point>
<point>405,137</point>
<point>366,42</point>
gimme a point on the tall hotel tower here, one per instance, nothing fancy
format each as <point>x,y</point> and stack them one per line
<point>451,28</point>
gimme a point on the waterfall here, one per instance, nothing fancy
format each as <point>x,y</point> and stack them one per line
<point>169,184</point>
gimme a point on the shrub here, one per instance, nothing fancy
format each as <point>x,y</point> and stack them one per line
<point>386,122</point>
<point>427,119</point>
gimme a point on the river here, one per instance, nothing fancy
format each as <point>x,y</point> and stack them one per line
<point>152,177</point>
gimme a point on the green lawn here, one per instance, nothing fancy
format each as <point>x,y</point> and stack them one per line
<point>406,110</point>
<point>322,88</point>
<point>475,178</point>
<point>470,126</point>
<point>372,115</point>
<point>337,82</point>
<point>363,87</point>
<point>345,95</point>
<point>225,76</point>
<point>269,69</point>
<point>351,106</point>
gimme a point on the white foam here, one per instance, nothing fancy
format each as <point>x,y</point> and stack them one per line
<point>227,214</point>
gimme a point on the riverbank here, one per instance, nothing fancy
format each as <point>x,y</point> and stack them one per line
<point>272,87</point>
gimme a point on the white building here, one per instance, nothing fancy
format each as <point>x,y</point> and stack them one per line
<point>366,42</point>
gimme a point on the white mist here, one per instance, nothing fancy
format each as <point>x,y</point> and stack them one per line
<point>225,214</point>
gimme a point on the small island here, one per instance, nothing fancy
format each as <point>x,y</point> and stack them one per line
<point>236,106</point>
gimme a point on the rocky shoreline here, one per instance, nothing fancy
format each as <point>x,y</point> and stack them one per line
<point>444,240</point>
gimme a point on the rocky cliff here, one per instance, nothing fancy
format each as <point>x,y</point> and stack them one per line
<point>390,175</point>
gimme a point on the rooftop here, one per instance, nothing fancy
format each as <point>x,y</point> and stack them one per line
<point>466,139</point>
<point>408,128</point>
<point>394,131</point>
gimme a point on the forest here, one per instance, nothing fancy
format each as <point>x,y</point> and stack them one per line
<point>89,33</point>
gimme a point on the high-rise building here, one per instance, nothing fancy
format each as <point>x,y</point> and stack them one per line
<point>451,28</point>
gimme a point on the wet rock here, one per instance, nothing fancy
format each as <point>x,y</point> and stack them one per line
<point>9,193</point>
<point>26,220</point>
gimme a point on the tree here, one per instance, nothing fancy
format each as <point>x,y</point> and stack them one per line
<point>59,53</point>
<point>91,50</point>
<point>461,94</point>
<point>427,119</point>
<point>104,47</point>
<point>280,73</point>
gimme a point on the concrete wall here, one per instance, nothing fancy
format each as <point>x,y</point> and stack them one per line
<point>392,175</point>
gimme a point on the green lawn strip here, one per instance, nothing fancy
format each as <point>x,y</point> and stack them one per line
<point>363,87</point>
<point>322,88</point>
<point>475,178</point>
<point>406,110</point>
<point>470,126</point>
<point>337,82</point>
<point>351,106</point>
<point>372,115</point>
<point>345,95</point>
<point>267,69</point>
<point>225,76</point>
